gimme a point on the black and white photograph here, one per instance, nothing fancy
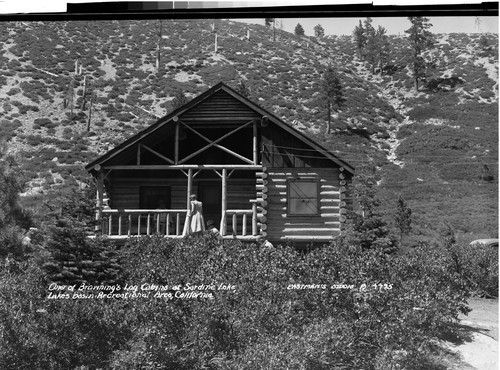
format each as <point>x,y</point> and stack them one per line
<point>222,186</point>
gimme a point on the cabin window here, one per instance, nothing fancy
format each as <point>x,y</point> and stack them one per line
<point>303,197</point>
<point>152,197</point>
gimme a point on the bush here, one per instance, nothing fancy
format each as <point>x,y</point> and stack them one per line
<point>41,333</point>
<point>13,91</point>
<point>11,243</point>
<point>478,266</point>
<point>406,300</point>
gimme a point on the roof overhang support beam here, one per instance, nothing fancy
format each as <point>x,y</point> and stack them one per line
<point>251,167</point>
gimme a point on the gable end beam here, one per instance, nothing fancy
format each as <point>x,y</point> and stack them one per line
<point>214,143</point>
<point>157,154</point>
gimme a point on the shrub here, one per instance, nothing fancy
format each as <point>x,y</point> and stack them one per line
<point>13,91</point>
<point>408,300</point>
<point>56,333</point>
<point>478,266</point>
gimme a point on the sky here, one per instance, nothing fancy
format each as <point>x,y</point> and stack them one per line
<point>394,25</point>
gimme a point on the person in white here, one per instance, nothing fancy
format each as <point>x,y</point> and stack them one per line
<point>195,224</point>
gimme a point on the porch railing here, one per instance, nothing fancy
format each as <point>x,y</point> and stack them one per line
<point>246,223</point>
<point>129,222</point>
<point>242,222</point>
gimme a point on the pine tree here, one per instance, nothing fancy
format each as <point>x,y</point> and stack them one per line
<point>243,90</point>
<point>359,38</point>
<point>319,31</point>
<point>13,218</point>
<point>299,31</point>
<point>11,185</point>
<point>371,44</point>
<point>403,218</point>
<point>269,22</point>
<point>382,47</point>
<point>367,229</point>
<point>179,100</point>
<point>420,40</point>
<point>332,93</point>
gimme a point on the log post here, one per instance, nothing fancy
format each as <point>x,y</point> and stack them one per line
<point>244,225</point>
<point>235,224</point>
<point>176,143</point>
<point>254,218</point>
<point>255,157</point>
<point>223,202</point>
<point>139,224</point>
<point>119,224</point>
<point>129,231</point>
<point>189,188</point>
<point>100,199</point>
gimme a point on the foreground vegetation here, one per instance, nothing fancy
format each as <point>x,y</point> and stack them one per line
<point>392,316</point>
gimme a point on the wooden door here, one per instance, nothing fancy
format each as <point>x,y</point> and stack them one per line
<point>209,193</point>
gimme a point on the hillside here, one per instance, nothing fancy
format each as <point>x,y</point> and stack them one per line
<point>437,148</point>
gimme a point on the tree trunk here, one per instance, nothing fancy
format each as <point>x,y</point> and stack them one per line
<point>90,112</point>
<point>158,46</point>
<point>158,57</point>
<point>329,123</point>
<point>84,102</point>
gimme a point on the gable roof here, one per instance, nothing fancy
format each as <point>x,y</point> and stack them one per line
<point>197,101</point>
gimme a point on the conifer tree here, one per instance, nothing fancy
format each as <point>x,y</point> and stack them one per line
<point>367,228</point>
<point>420,40</point>
<point>331,93</point>
<point>269,22</point>
<point>11,185</point>
<point>403,218</point>
<point>319,31</point>
<point>299,30</point>
<point>382,47</point>
<point>179,100</point>
<point>243,90</point>
<point>359,38</point>
<point>13,218</point>
<point>371,44</point>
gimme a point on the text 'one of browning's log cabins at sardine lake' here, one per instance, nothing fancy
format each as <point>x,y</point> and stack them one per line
<point>254,174</point>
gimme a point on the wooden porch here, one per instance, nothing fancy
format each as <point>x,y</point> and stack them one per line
<point>246,221</point>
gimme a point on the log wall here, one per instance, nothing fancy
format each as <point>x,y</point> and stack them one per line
<point>332,198</point>
<point>125,191</point>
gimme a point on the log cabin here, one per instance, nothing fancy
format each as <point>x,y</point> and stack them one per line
<point>255,175</point>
